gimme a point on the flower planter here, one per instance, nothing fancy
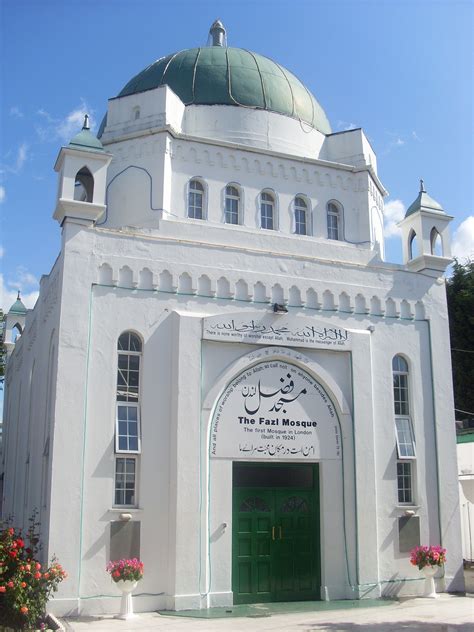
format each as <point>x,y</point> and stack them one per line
<point>430,590</point>
<point>126,604</point>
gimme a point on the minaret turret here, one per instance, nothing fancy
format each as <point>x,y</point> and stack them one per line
<point>425,235</point>
<point>14,324</point>
<point>82,167</point>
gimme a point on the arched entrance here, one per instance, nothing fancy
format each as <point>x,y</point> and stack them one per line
<point>276,422</point>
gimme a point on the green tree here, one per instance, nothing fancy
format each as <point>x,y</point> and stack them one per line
<point>460,293</point>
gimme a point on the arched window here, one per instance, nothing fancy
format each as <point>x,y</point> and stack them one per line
<point>136,113</point>
<point>196,200</point>
<point>84,185</point>
<point>413,251</point>
<point>403,430</point>
<point>232,205</point>
<point>127,424</point>
<point>267,210</point>
<point>301,216</point>
<point>16,332</point>
<point>436,243</point>
<point>334,221</point>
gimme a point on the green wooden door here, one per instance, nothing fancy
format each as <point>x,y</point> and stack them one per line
<point>253,518</point>
<point>275,544</point>
<point>294,556</point>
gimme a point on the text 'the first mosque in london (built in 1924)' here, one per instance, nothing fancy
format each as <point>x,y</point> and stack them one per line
<point>222,375</point>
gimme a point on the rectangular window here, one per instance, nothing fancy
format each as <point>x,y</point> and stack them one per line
<point>195,205</point>
<point>333,226</point>
<point>300,221</point>
<point>231,210</point>
<point>128,377</point>
<point>127,435</point>
<point>400,393</point>
<point>405,438</point>
<point>125,481</point>
<point>404,482</point>
<point>267,215</point>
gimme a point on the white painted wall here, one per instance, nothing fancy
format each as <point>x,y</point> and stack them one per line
<point>465,453</point>
<point>145,267</point>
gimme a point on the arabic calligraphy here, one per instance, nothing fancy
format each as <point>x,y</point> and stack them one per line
<point>270,449</point>
<point>253,396</point>
<point>307,331</point>
<point>274,409</point>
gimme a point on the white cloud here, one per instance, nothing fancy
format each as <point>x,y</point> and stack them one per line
<point>394,212</point>
<point>24,278</point>
<point>2,194</point>
<point>344,126</point>
<point>415,136</point>
<point>16,112</point>
<point>20,158</point>
<point>463,240</point>
<point>8,294</point>
<point>66,127</point>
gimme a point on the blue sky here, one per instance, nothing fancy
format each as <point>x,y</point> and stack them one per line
<point>401,69</point>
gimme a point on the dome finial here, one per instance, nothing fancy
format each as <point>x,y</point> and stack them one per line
<point>422,186</point>
<point>218,33</point>
<point>18,296</point>
<point>86,122</point>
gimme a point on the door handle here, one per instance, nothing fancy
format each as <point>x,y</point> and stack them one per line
<point>280,532</point>
<point>273,533</point>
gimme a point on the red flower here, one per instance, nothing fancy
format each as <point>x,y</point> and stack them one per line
<point>2,589</point>
<point>37,575</point>
<point>23,610</point>
<point>20,543</point>
<point>23,584</point>
<point>10,584</point>
<point>11,531</point>
<point>13,553</point>
<point>38,566</point>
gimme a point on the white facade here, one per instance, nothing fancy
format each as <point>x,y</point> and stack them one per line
<point>199,294</point>
<point>465,448</point>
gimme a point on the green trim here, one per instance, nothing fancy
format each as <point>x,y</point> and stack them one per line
<point>466,437</point>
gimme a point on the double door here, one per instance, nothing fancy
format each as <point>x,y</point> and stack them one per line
<point>276,539</point>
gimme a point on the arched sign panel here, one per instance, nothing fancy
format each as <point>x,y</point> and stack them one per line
<point>275,410</point>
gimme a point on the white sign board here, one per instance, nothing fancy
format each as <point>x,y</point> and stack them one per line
<point>275,410</point>
<point>276,329</point>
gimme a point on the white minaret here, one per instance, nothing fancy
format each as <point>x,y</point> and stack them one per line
<point>14,324</point>
<point>82,168</point>
<point>425,235</point>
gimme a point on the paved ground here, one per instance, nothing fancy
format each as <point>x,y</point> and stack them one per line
<point>446,614</point>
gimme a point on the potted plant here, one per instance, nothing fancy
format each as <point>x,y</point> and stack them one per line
<point>428,559</point>
<point>126,574</point>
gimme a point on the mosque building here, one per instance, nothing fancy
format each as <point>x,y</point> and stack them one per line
<point>222,375</point>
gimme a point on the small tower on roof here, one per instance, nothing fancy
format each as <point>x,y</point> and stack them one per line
<point>82,167</point>
<point>14,323</point>
<point>218,34</point>
<point>425,235</point>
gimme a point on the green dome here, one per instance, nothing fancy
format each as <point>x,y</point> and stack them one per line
<point>216,75</point>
